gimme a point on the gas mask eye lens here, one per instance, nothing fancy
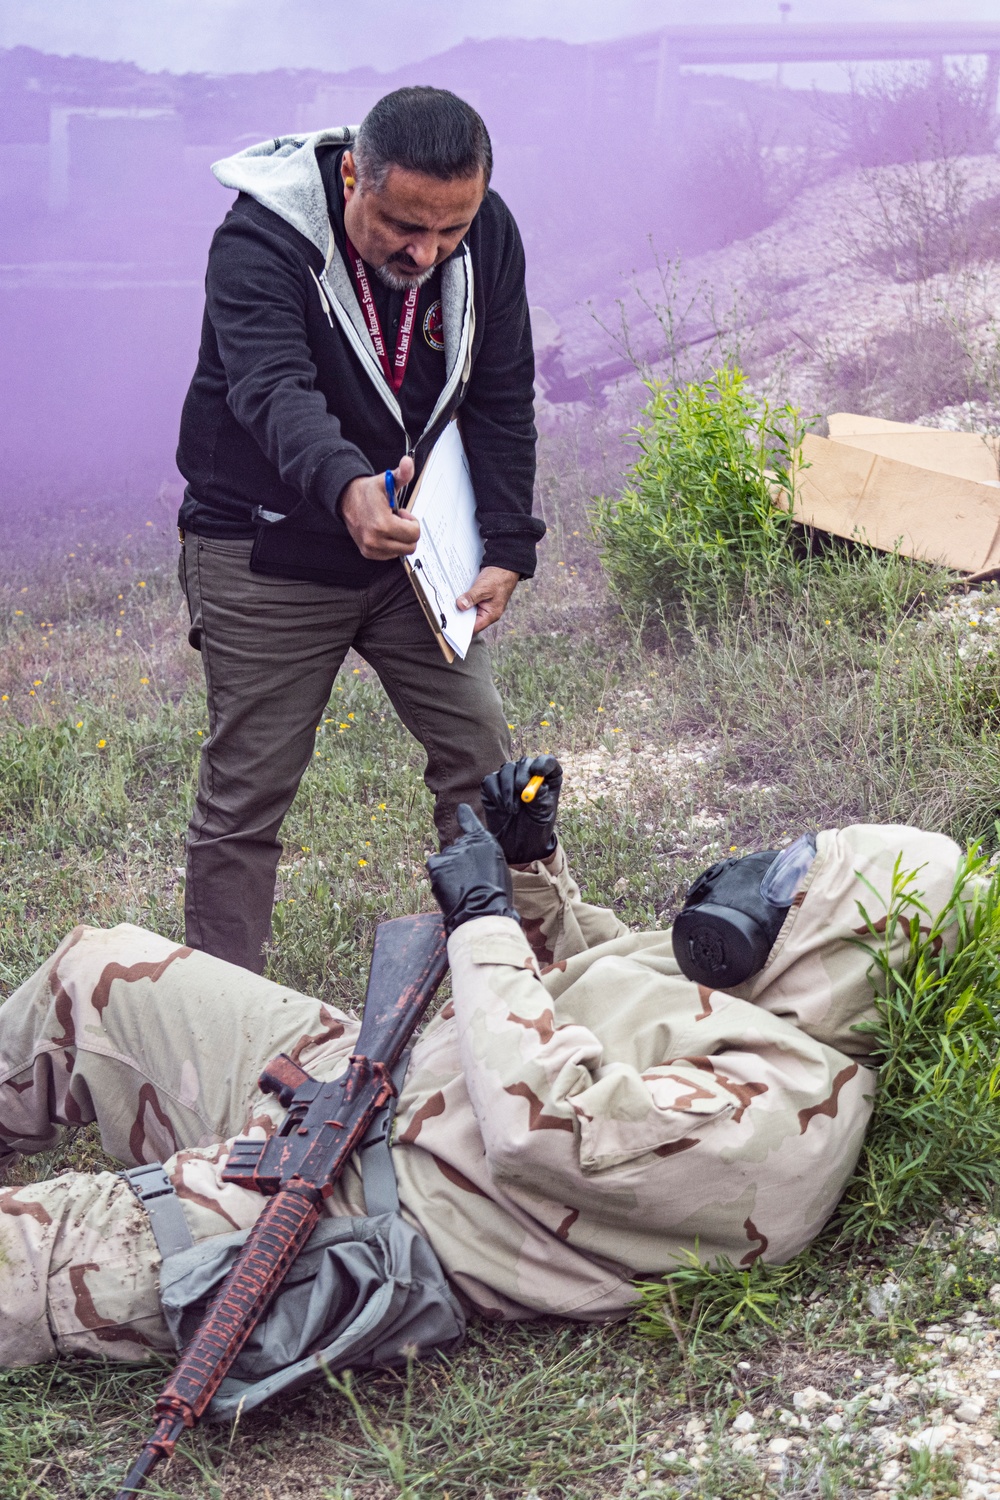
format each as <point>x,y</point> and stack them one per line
<point>785,876</point>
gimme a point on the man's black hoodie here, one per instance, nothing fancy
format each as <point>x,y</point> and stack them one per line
<point>288,403</point>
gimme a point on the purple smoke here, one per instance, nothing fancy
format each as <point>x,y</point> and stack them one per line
<point>108,204</point>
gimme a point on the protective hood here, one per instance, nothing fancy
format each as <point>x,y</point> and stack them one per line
<point>816,975</point>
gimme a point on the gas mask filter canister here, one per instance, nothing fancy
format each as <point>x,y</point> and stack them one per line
<point>734,911</point>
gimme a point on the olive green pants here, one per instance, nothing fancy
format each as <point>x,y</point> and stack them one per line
<point>271,649</point>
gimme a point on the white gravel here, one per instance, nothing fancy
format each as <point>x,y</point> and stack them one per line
<point>602,772</point>
<point>975,619</point>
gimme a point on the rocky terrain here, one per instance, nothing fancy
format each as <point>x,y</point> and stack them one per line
<point>875,291</point>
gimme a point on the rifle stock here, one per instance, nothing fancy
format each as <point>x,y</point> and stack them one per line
<point>298,1168</point>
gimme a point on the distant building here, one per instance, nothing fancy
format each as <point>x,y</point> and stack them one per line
<point>126,160</point>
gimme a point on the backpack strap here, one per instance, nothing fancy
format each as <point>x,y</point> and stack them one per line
<point>375,1152</point>
<point>155,1192</point>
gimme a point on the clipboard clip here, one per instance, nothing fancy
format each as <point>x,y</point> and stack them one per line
<point>437,598</point>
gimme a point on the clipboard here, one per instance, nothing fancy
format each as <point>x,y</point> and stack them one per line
<point>449,554</point>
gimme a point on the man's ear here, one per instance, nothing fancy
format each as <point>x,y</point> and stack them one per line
<point>349,173</point>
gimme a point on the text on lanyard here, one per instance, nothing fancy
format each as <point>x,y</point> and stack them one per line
<point>393,372</point>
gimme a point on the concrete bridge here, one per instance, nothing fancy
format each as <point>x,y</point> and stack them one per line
<point>665,53</point>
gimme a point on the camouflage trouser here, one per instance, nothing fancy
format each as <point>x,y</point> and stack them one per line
<point>116,1028</point>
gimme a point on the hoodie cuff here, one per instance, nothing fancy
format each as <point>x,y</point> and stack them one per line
<point>509,541</point>
<point>334,475</point>
<point>515,553</point>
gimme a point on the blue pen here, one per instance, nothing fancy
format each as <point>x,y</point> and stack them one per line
<point>390,489</point>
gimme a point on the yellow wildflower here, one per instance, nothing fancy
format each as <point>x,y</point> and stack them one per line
<point>362,862</point>
<point>101,744</point>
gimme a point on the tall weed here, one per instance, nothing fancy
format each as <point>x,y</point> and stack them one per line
<point>697,522</point>
<point>934,1133</point>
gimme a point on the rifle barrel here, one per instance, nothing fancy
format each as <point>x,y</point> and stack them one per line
<point>160,1445</point>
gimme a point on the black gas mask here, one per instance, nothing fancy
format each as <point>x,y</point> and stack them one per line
<point>734,912</point>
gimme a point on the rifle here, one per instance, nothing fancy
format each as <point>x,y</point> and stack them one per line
<point>297,1168</point>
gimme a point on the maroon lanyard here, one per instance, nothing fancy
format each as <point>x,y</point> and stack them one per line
<point>393,373</point>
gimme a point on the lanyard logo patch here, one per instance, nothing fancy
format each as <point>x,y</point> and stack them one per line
<point>434,326</point>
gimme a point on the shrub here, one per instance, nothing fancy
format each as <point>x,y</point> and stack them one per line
<point>696,521</point>
<point>906,114</point>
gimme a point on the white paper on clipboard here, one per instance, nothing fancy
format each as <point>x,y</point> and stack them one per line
<point>449,553</point>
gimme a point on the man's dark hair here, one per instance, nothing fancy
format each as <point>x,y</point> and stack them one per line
<point>423,130</point>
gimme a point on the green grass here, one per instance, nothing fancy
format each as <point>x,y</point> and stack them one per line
<point>837,703</point>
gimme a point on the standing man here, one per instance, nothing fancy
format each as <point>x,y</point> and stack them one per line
<point>365,286</point>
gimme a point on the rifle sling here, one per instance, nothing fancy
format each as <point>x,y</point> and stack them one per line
<point>155,1191</point>
<point>375,1153</point>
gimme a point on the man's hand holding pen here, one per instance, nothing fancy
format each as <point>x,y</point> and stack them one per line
<point>380,531</point>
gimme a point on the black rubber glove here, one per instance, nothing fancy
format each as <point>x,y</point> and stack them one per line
<point>470,877</point>
<point>526,830</point>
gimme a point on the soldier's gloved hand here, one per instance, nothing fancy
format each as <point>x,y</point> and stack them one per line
<point>526,830</point>
<point>470,877</point>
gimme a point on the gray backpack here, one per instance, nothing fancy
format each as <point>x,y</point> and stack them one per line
<point>366,1293</point>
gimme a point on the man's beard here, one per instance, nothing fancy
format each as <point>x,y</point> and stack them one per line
<point>390,277</point>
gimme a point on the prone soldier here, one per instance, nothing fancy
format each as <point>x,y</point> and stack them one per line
<point>580,1114</point>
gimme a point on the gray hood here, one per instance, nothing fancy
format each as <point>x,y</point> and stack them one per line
<point>283,175</point>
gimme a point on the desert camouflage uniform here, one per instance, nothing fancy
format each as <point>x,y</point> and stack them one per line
<point>577,1115</point>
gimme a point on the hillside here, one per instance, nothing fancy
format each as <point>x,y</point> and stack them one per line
<point>874,291</point>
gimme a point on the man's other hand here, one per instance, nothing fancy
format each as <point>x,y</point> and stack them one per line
<point>379,533</point>
<point>490,594</point>
<point>526,830</point>
<point>470,877</point>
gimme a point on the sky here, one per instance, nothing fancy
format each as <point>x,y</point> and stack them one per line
<point>253,35</point>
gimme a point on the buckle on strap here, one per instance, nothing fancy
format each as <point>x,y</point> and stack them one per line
<point>378,1174</point>
<point>155,1192</point>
